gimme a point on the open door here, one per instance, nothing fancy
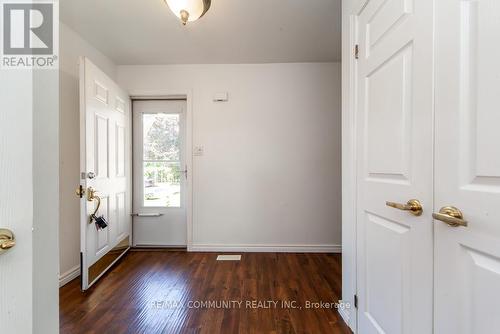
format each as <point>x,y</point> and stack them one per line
<point>394,175</point>
<point>105,161</point>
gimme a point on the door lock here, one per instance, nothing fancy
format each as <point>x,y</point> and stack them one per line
<point>80,191</point>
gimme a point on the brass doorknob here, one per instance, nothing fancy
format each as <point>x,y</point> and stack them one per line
<point>413,206</point>
<point>7,240</point>
<point>451,216</point>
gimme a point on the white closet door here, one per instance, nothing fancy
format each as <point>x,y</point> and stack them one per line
<point>467,155</point>
<point>394,147</point>
<point>16,201</point>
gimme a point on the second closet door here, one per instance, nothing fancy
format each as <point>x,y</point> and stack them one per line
<point>467,257</point>
<point>394,134</point>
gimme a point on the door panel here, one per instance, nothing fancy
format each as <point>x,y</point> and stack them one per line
<point>394,131</point>
<point>120,150</point>
<point>388,112</point>
<point>383,306</point>
<point>160,173</point>
<point>16,202</point>
<point>106,147</point>
<point>467,265</point>
<point>121,216</point>
<point>101,146</point>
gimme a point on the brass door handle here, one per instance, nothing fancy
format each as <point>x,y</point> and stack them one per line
<point>451,216</point>
<point>91,192</point>
<point>413,206</point>
<point>7,240</point>
<point>91,196</point>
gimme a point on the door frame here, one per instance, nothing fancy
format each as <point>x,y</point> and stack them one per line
<point>168,94</point>
<point>350,10</point>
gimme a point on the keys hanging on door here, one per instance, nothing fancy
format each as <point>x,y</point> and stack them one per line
<point>100,221</point>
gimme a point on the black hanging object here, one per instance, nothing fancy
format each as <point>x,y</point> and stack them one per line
<point>100,222</point>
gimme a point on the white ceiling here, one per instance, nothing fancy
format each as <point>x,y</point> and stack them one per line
<point>233,31</point>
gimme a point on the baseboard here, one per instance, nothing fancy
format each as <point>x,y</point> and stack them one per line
<point>344,313</point>
<point>69,275</point>
<point>265,248</point>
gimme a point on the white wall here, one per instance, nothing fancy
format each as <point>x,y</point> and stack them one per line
<point>71,47</point>
<point>270,176</point>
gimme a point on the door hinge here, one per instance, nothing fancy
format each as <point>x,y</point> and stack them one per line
<point>356,301</point>
<point>356,51</point>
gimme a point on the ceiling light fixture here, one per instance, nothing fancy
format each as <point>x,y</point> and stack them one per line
<point>188,10</point>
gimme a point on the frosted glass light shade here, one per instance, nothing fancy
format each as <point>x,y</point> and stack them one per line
<point>188,10</point>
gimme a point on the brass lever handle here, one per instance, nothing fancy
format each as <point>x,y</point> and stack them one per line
<point>451,216</point>
<point>7,240</point>
<point>413,206</point>
<point>90,192</point>
<point>91,196</point>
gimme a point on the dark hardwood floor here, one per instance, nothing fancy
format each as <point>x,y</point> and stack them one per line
<point>163,292</point>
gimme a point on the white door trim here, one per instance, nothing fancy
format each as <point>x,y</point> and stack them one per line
<point>349,170</point>
<point>178,94</point>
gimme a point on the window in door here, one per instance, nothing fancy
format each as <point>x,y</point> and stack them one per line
<point>162,169</point>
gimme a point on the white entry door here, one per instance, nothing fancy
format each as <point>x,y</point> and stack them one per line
<point>160,173</point>
<point>467,267</point>
<point>394,154</point>
<point>105,120</point>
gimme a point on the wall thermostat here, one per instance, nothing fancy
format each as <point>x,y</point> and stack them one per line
<point>221,97</point>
